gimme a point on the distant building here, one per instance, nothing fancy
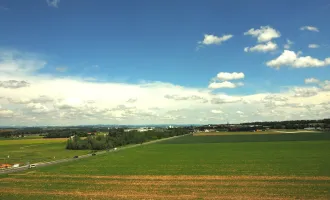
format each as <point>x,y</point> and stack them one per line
<point>5,166</point>
<point>209,130</point>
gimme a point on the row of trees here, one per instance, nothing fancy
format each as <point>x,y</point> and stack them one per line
<point>51,132</point>
<point>118,137</point>
<point>294,124</point>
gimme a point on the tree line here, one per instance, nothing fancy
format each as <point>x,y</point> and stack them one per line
<point>118,137</point>
<point>58,132</point>
<point>293,124</point>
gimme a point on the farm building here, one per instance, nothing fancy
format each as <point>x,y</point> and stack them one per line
<point>209,130</point>
<point>2,166</point>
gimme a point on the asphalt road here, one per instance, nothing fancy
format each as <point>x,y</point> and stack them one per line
<point>41,164</point>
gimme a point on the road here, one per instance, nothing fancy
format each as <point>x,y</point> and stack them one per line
<point>41,164</point>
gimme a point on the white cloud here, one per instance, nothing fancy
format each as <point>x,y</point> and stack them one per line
<point>53,3</point>
<point>225,76</point>
<point>239,112</point>
<point>17,63</point>
<point>37,107</point>
<point>313,46</point>
<point>212,39</point>
<point>225,99</point>
<point>61,69</point>
<point>40,99</point>
<point>14,84</point>
<point>275,98</point>
<point>225,84</point>
<point>290,58</point>
<point>216,111</point>
<point>305,92</point>
<point>56,100</point>
<point>6,113</point>
<point>288,44</point>
<point>269,46</point>
<point>264,34</point>
<point>309,28</point>
<point>311,80</point>
<point>325,85</point>
<point>131,100</point>
<point>185,98</point>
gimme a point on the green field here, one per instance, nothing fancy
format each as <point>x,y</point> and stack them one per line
<point>273,131</point>
<point>191,167</point>
<point>34,150</point>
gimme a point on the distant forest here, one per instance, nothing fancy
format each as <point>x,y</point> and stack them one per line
<point>66,132</point>
<point>118,137</point>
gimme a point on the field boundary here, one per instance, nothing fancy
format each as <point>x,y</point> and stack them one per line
<point>42,164</point>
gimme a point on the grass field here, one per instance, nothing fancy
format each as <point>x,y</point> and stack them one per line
<point>251,133</point>
<point>189,167</point>
<point>34,150</point>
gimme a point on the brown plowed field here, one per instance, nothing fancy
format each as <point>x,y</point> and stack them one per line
<point>164,187</point>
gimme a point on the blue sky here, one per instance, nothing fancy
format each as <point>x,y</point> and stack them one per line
<point>158,41</point>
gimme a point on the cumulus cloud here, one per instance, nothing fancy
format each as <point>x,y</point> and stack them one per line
<point>37,107</point>
<point>14,84</point>
<point>14,63</point>
<point>309,28</point>
<point>225,84</point>
<point>269,46</point>
<point>213,39</point>
<point>131,100</point>
<point>185,98</point>
<point>216,111</point>
<point>313,46</point>
<point>275,98</point>
<point>39,99</point>
<point>239,112</point>
<point>305,92</point>
<point>53,3</point>
<point>224,99</point>
<point>290,58</point>
<point>311,80</point>
<point>288,44</point>
<point>225,76</point>
<point>325,85</point>
<point>264,34</point>
<point>54,100</point>
<point>6,113</point>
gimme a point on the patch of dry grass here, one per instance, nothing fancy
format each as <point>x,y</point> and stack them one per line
<point>165,187</point>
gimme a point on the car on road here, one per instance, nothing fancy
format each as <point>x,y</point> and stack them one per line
<point>75,156</point>
<point>32,166</point>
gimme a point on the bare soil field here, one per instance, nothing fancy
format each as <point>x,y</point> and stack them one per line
<point>164,187</point>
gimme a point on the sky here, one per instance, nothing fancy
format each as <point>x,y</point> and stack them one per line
<point>73,62</point>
